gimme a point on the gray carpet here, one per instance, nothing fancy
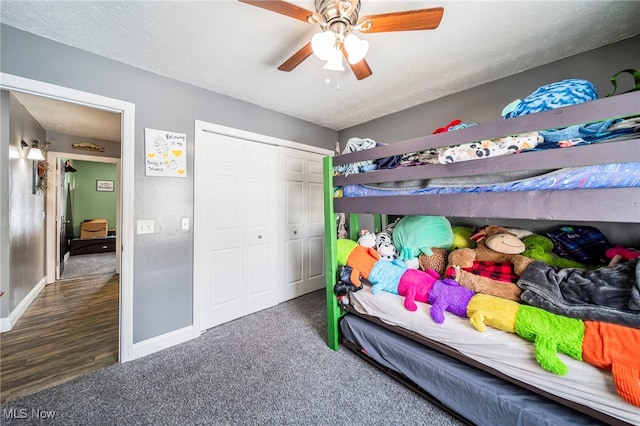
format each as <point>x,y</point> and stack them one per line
<point>269,368</point>
<point>89,264</point>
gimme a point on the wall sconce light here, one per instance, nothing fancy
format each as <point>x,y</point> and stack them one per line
<point>23,144</point>
<point>34,153</point>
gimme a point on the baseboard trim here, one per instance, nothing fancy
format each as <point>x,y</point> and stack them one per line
<point>7,323</point>
<point>163,341</point>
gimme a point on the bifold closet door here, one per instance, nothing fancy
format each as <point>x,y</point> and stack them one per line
<point>235,227</point>
<point>302,230</point>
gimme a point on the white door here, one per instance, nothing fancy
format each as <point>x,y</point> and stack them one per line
<point>302,230</point>
<point>235,227</point>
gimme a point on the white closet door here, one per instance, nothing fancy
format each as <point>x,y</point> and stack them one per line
<point>302,230</point>
<point>235,227</point>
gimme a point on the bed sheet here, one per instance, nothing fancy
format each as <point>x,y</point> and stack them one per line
<point>616,175</point>
<point>502,351</point>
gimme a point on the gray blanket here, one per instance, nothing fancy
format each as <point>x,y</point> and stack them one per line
<point>608,294</point>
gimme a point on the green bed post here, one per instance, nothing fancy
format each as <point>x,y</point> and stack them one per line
<point>354,226</point>
<point>377,223</point>
<point>331,259</point>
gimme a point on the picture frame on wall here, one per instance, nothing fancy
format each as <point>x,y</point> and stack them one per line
<point>104,186</point>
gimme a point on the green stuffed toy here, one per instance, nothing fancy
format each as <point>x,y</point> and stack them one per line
<point>419,234</point>
<point>540,248</point>
<point>461,237</point>
<point>551,334</point>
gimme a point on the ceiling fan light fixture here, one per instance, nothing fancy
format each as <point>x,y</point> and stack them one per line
<point>323,44</point>
<point>334,63</point>
<point>356,48</point>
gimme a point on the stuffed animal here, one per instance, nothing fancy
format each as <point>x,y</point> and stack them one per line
<point>387,251</point>
<point>386,276</point>
<point>615,347</point>
<point>496,312</point>
<point>448,295</point>
<point>367,239</point>
<point>437,261</point>
<point>384,243</point>
<point>540,248</point>
<point>619,253</point>
<point>419,234</point>
<point>461,237</point>
<point>344,284</point>
<point>496,247</point>
<point>361,259</point>
<point>551,334</point>
<point>415,287</point>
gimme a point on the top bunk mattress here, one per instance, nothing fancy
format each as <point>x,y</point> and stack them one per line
<point>616,175</point>
<point>503,352</point>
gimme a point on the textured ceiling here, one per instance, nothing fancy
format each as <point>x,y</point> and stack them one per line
<point>72,119</point>
<point>234,49</point>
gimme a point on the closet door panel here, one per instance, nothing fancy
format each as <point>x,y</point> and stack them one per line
<point>218,229</point>
<point>303,229</point>
<point>315,225</point>
<point>260,234</point>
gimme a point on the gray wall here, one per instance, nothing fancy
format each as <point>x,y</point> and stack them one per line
<point>26,225</point>
<point>484,103</point>
<point>163,278</point>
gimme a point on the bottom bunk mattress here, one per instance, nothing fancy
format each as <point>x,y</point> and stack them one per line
<point>503,354</point>
<point>479,397</point>
<point>618,175</point>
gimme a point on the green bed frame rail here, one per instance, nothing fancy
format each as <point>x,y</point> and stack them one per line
<point>334,311</point>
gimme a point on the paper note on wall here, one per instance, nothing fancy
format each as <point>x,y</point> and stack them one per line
<point>165,153</point>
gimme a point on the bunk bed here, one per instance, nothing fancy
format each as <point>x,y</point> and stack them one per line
<point>490,377</point>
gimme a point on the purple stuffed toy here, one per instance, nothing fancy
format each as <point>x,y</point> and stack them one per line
<point>448,295</point>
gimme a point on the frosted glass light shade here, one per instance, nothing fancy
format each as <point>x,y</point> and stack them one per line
<point>356,48</point>
<point>334,62</point>
<point>323,44</point>
<point>35,154</point>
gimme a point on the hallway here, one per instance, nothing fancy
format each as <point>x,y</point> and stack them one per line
<point>70,330</point>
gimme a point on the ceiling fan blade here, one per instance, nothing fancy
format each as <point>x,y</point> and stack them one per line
<point>297,58</point>
<point>361,69</point>
<point>410,20</point>
<point>282,7</point>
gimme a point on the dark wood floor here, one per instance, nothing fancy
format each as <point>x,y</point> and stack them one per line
<point>70,330</point>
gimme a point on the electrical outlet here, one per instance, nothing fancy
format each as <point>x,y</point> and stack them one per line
<point>146,227</point>
<point>185,224</point>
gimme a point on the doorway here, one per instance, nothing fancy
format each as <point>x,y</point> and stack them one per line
<point>62,230</point>
<point>126,173</point>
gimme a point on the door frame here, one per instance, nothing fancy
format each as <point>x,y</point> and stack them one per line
<point>52,225</point>
<point>12,82</point>
<point>207,127</point>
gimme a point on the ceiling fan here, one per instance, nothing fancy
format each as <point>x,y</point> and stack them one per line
<point>337,20</point>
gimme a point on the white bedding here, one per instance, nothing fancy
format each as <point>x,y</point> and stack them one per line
<point>505,352</point>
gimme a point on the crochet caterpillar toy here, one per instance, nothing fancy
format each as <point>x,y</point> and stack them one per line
<point>610,346</point>
<point>394,277</point>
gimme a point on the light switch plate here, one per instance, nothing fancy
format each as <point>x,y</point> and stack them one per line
<point>185,224</point>
<point>146,226</point>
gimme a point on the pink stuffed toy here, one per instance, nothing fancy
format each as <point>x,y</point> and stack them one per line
<point>619,253</point>
<point>415,286</point>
